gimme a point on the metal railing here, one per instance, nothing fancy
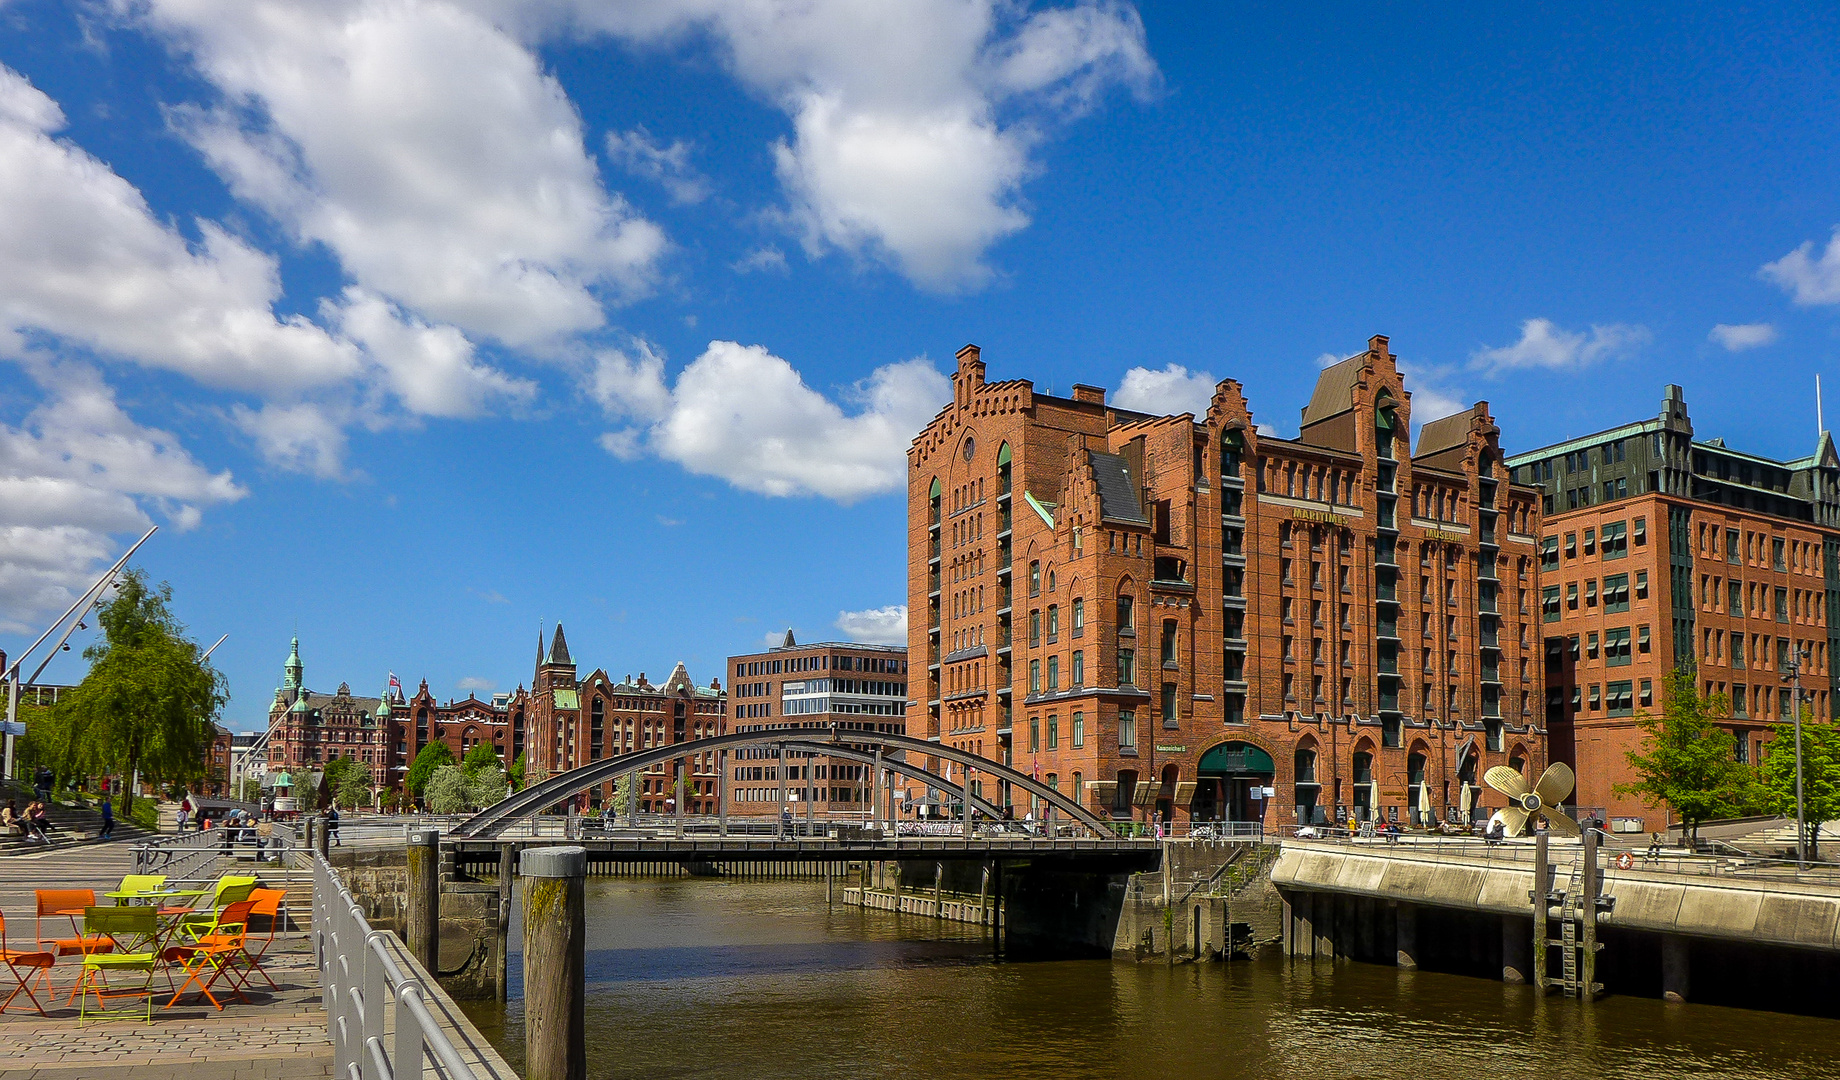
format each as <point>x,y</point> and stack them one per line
<point>357,977</point>
<point>185,852</point>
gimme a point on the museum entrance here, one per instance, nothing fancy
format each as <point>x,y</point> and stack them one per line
<point>1234,776</point>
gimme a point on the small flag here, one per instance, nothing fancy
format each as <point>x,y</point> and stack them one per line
<point>394,685</point>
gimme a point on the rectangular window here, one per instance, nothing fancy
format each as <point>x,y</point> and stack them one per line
<point>1735,599</point>
<point>1616,593</point>
<point>1619,698</point>
<point>1616,540</point>
<point>1169,704</point>
<point>1054,674</point>
<point>1782,604</point>
<point>1590,593</point>
<point>1127,729</point>
<point>1616,647</point>
<point>1648,693</point>
<point>1739,700</point>
<point>1549,552</point>
<point>1590,541</point>
<point>1571,543</point>
<point>1078,733</point>
<point>1054,731</point>
<point>1127,667</point>
<point>1034,629</point>
<point>1641,584</point>
<point>1731,545</point>
<point>1549,603</point>
<point>1034,676</point>
<point>1590,645</point>
<point>1079,667</point>
<point>1776,555</point>
<point>1571,596</point>
<point>1034,734</point>
<point>1737,651</point>
<point>1125,627</point>
<point>1597,699</point>
<point>1642,639</point>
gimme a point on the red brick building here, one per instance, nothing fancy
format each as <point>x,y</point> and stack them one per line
<point>385,732</point>
<point>1182,616</point>
<point>855,687</point>
<point>1662,552</point>
<point>574,721</point>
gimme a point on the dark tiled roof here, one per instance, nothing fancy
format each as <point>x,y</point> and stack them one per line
<point>1118,499</point>
<point>1444,433</point>
<point>559,649</point>
<point>1334,390</point>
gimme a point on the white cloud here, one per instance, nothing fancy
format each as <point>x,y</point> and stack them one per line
<point>432,369</point>
<point>82,258</point>
<point>742,414</point>
<point>1742,336</point>
<point>1544,344</point>
<point>74,473</point>
<point>425,148</point>
<point>913,123</point>
<point>303,437</point>
<point>1171,391</point>
<point>1809,280</point>
<point>768,258</point>
<point>875,626</point>
<point>476,684</point>
<point>669,167</point>
<point>1328,360</point>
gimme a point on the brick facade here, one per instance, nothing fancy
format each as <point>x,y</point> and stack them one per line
<point>1662,551</point>
<point>1169,615</point>
<point>576,721</point>
<point>854,687</point>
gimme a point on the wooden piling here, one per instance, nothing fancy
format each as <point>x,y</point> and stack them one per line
<point>423,914</point>
<point>555,972</point>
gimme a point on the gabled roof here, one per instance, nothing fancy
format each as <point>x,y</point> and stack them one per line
<point>1118,500</point>
<point>1444,433</point>
<point>1334,390</point>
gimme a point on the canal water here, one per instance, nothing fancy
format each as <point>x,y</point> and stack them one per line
<point>744,980</point>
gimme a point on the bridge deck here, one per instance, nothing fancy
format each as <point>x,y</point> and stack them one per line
<point>748,849</point>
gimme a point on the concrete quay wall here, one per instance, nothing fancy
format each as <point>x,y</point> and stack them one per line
<point>1795,914</point>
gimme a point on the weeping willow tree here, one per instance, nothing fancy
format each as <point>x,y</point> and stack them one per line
<point>150,701</point>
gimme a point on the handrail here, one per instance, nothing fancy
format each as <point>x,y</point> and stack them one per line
<point>357,976</point>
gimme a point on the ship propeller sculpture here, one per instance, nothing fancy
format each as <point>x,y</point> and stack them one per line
<point>1542,800</point>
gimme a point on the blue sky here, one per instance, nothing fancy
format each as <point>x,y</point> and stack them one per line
<point>416,324</point>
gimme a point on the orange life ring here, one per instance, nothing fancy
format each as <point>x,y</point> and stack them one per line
<point>1625,861</point>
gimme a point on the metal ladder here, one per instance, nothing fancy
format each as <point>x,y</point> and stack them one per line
<point>1570,909</point>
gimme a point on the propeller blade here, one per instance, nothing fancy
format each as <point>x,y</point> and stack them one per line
<point>1556,784</point>
<point>1558,823</point>
<point>1506,781</point>
<point>1514,819</point>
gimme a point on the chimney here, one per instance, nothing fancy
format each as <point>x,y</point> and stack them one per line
<point>1092,395</point>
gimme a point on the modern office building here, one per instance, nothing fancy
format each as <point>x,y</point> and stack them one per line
<point>834,684</point>
<point>1662,551</point>
<point>1182,616</point>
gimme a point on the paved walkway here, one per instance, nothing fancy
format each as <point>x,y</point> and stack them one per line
<point>279,1035</point>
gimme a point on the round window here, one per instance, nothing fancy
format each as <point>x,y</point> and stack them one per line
<point>970,447</point>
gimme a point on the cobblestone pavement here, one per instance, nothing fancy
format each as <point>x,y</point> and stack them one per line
<point>279,1034</point>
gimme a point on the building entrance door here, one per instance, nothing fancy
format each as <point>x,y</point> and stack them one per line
<point>1236,769</point>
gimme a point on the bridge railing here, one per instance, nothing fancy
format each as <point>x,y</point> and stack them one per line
<point>1644,858</point>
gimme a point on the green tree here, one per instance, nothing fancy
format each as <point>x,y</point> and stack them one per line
<point>1820,776</point>
<point>1687,761</point>
<point>252,790</point>
<point>485,786</point>
<point>349,782</point>
<point>445,791</point>
<point>516,775</point>
<point>481,756</point>
<point>431,757</point>
<point>150,701</point>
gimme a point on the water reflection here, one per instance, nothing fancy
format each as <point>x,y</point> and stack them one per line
<point>757,979</point>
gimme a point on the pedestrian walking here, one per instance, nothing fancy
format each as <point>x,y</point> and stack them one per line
<point>332,826</point>
<point>108,820</point>
<point>185,812</point>
<point>42,780</point>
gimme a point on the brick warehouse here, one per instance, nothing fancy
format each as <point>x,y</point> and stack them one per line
<point>1663,551</point>
<point>854,686</point>
<point>1170,615</point>
<point>576,721</point>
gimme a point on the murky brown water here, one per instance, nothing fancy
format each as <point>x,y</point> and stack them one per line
<point>747,980</point>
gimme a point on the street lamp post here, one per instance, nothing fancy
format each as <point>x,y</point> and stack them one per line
<point>1793,667</point>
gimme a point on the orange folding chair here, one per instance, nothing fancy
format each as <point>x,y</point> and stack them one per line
<point>69,904</point>
<point>25,967</point>
<point>219,954</point>
<point>267,907</point>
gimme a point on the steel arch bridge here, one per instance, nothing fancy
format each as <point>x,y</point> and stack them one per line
<point>828,741</point>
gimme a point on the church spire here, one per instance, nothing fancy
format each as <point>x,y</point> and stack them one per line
<point>559,651</point>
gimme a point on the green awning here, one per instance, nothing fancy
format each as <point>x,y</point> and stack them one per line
<point>1237,758</point>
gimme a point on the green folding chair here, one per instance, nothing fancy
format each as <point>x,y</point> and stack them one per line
<point>132,927</point>
<point>228,890</point>
<point>133,885</point>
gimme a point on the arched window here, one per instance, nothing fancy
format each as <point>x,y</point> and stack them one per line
<point>1034,578</point>
<point>1079,617</point>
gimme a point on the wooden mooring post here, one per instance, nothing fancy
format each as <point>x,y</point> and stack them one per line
<point>555,972</point>
<point>423,909</point>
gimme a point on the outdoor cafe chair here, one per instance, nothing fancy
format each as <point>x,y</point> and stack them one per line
<point>219,954</point>
<point>137,885</point>
<point>230,889</point>
<point>25,966</point>
<point>138,924</point>
<point>69,904</point>
<point>267,905</point>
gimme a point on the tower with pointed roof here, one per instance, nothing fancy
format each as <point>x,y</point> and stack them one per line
<point>291,678</point>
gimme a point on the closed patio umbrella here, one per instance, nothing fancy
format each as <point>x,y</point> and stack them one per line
<point>1424,804</point>
<point>1468,799</point>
